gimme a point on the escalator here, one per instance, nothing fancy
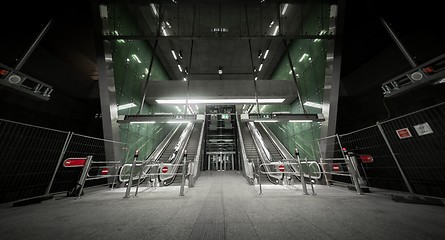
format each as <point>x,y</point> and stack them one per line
<point>252,151</point>
<point>273,150</point>
<point>168,151</point>
<point>192,149</point>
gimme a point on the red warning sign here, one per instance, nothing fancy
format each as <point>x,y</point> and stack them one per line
<point>403,133</point>
<point>164,169</point>
<point>281,168</point>
<point>335,167</point>
<point>74,162</point>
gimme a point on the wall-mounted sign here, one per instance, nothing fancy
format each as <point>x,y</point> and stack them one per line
<point>403,133</point>
<point>423,129</point>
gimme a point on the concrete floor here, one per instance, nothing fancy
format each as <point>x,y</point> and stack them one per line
<point>223,206</point>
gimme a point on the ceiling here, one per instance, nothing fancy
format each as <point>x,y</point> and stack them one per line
<point>65,58</point>
<point>208,36</point>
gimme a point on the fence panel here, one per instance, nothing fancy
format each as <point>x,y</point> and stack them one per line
<point>28,159</point>
<point>332,160</point>
<point>382,172</point>
<point>81,146</point>
<point>418,141</point>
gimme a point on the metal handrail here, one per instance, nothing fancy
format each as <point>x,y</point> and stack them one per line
<point>247,166</point>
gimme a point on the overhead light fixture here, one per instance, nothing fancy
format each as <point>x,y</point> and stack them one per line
<point>261,66</point>
<point>126,106</point>
<point>300,121</point>
<point>260,54</point>
<point>271,24</point>
<point>265,54</point>
<point>174,55</point>
<point>186,70</point>
<point>275,31</point>
<point>312,104</point>
<point>180,54</point>
<point>284,9</point>
<point>220,70</point>
<point>265,120</point>
<point>163,31</point>
<point>180,68</point>
<point>121,41</point>
<point>220,101</point>
<point>185,79</point>
<point>179,121</point>
<point>137,122</point>
<point>256,78</point>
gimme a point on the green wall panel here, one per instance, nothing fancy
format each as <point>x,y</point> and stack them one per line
<point>308,57</point>
<point>131,61</point>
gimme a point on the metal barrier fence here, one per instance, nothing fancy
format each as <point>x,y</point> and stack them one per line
<point>408,152</point>
<point>31,159</point>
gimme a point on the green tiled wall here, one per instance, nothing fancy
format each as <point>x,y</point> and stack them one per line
<point>310,74</point>
<point>131,61</point>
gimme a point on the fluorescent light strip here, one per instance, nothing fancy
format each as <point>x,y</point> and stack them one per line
<point>174,55</point>
<point>271,23</point>
<point>137,122</point>
<point>265,120</point>
<point>312,104</point>
<point>153,8</point>
<point>135,57</point>
<point>216,101</point>
<point>275,31</point>
<point>300,121</point>
<point>179,121</point>
<point>302,57</point>
<point>163,31</point>
<point>265,54</point>
<point>126,106</point>
<point>284,9</point>
<point>261,66</point>
<point>180,68</point>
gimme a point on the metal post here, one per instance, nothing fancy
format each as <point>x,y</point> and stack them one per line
<point>310,177</point>
<point>398,43</point>
<point>184,170</point>
<point>303,182</point>
<point>395,159</point>
<point>259,179</point>
<point>65,147</point>
<point>83,177</point>
<point>191,172</point>
<point>33,46</point>
<point>139,180</point>
<point>130,179</point>
<point>353,172</point>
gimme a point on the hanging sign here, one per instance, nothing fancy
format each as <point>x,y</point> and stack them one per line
<point>423,129</point>
<point>403,133</point>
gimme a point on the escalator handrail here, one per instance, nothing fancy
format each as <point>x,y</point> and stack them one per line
<point>181,151</point>
<point>194,171</point>
<point>247,167</point>
<point>262,150</point>
<point>156,154</point>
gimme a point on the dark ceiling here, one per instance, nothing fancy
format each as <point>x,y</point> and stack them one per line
<point>65,58</point>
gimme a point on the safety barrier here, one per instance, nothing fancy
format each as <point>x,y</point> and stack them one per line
<point>160,169</point>
<point>31,159</point>
<point>407,152</point>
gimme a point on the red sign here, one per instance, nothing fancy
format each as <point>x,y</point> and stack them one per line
<point>74,162</point>
<point>366,158</point>
<point>164,169</point>
<point>335,167</point>
<point>403,133</point>
<point>281,168</point>
<point>104,171</point>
